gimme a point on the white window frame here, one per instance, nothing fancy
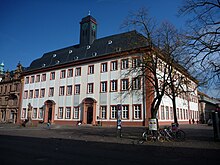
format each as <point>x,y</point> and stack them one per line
<point>125,112</point>
<point>103,86</point>
<point>104,67</point>
<point>60,113</point>
<point>68,113</point>
<point>137,111</point>
<point>113,112</point>
<point>76,113</point>
<point>114,85</point>
<point>124,63</point>
<point>103,111</point>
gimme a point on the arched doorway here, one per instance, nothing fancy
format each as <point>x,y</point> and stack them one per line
<point>89,113</point>
<point>49,111</point>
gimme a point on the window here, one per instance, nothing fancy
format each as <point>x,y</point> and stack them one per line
<point>162,113</point>
<point>24,113</point>
<point>62,91</point>
<point>36,93</point>
<point>42,92</point>
<point>103,86</point>
<point>171,112</point>
<point>181,114</point>
<point>177,113</point>
<point>125,109</point>
<point>43,78</point>
<point>63,74</point>
<point>68,112</point>
<point>70,73</point>
<point>37,78</point>
<point>60,113</point>
<point>51,91</point>
<point>167,113</point>
<point>137,111</point>
<point>31,94</point>
<point>41,113</point>
<point>34,115</point>
<point>27,80</point>
<point>78,71</point>
<point>160,65</point>
<point>90,88</point>
<point>184,114</point>
<point>91,69</point>
<point>124,64</point>
<point>52,75</point>
<point>69,90</point>
<point>103,111</point>
<point>114,85</point>
<point>76,113</point>
<point>32,79</point>
<point>25,94</point>
<point>124,84</point>
<point>114,65</point>
<point>136,83</point>
<point>77,89</point>
<point>113,112</point>
<point>104,67</point>
<point>136,62</point>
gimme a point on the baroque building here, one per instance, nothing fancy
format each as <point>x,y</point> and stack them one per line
<point>87,83</point>
<point>10,88</point>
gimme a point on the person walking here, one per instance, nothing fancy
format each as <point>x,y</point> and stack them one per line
<point>48,124</point>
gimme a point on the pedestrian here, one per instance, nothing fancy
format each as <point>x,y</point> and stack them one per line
<point>48,124</point>
<point>189,121</point>
<point>193,121</point>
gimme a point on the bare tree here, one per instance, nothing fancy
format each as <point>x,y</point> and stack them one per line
<point>160,64</point>
<point>163,43</point>
<point>203,38</point>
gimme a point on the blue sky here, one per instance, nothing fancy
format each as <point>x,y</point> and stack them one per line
<point>30,28</point>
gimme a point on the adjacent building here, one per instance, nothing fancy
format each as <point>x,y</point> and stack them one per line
<point>207,105</point>
<point>10,88</point>
<point>87,82</point>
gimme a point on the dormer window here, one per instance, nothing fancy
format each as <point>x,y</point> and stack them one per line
<point>57,61</point>
<point>76,58</point>
<point>109,42</point>
<point>54,55</point>
<point>43,65</point>
<point>70,51</point>
<point>94,54</point>
<point>118,49</point>
<point>88,47</point>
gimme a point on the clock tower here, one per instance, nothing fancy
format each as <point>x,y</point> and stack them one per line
<point>88,30</point>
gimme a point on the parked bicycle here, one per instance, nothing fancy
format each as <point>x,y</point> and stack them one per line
<point>173,133</point>
<point>151,136</point>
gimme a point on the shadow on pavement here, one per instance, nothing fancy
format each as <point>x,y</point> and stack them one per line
<point>29,150</point>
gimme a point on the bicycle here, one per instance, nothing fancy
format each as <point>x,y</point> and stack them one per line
<point>152,136</point>
<point>173,134</point>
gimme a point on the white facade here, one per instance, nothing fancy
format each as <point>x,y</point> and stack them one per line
<point>105,82</point>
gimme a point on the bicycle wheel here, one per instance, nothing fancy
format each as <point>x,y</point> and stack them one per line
<point>180,135</point>
<point>144,135</point>
<point>161,138</point>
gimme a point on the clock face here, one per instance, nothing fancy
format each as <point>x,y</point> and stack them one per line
<point>93,26</point>
<point>84,26</point>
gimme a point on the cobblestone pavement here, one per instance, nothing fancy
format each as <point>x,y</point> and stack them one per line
<point>197,136</point>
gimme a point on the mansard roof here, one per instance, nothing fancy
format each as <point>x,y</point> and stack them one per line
<point>100,47</point>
